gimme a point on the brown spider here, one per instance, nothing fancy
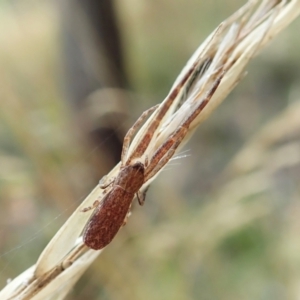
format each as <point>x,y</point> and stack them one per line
<point>111,212</point>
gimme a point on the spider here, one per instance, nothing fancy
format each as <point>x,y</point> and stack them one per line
<point>110,214</point>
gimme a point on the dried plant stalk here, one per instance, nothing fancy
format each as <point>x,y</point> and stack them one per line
<point>210,74</point>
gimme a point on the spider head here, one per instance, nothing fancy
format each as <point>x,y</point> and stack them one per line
<point>131,177</point>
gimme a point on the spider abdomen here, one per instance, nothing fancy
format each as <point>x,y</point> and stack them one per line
<point>109,216</point>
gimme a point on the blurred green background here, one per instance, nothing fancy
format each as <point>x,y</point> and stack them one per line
<point>221,223</point>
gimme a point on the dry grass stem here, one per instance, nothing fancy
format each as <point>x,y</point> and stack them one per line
<point>209,76</point>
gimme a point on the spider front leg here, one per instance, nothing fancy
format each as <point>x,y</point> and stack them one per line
<point>131,132</point>
<point>165,152</point>
<point>168,148</point>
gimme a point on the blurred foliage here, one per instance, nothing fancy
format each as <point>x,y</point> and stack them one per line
<point>223,224</point>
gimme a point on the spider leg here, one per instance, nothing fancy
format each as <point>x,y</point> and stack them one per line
<point>131,132</point>
<point>103,184</point>
<point>95,204</point>
<point>157,164</point>
<point>141,196</point>
<point>168,148</point>
<point>126,218</point>
<point>174,95</point>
